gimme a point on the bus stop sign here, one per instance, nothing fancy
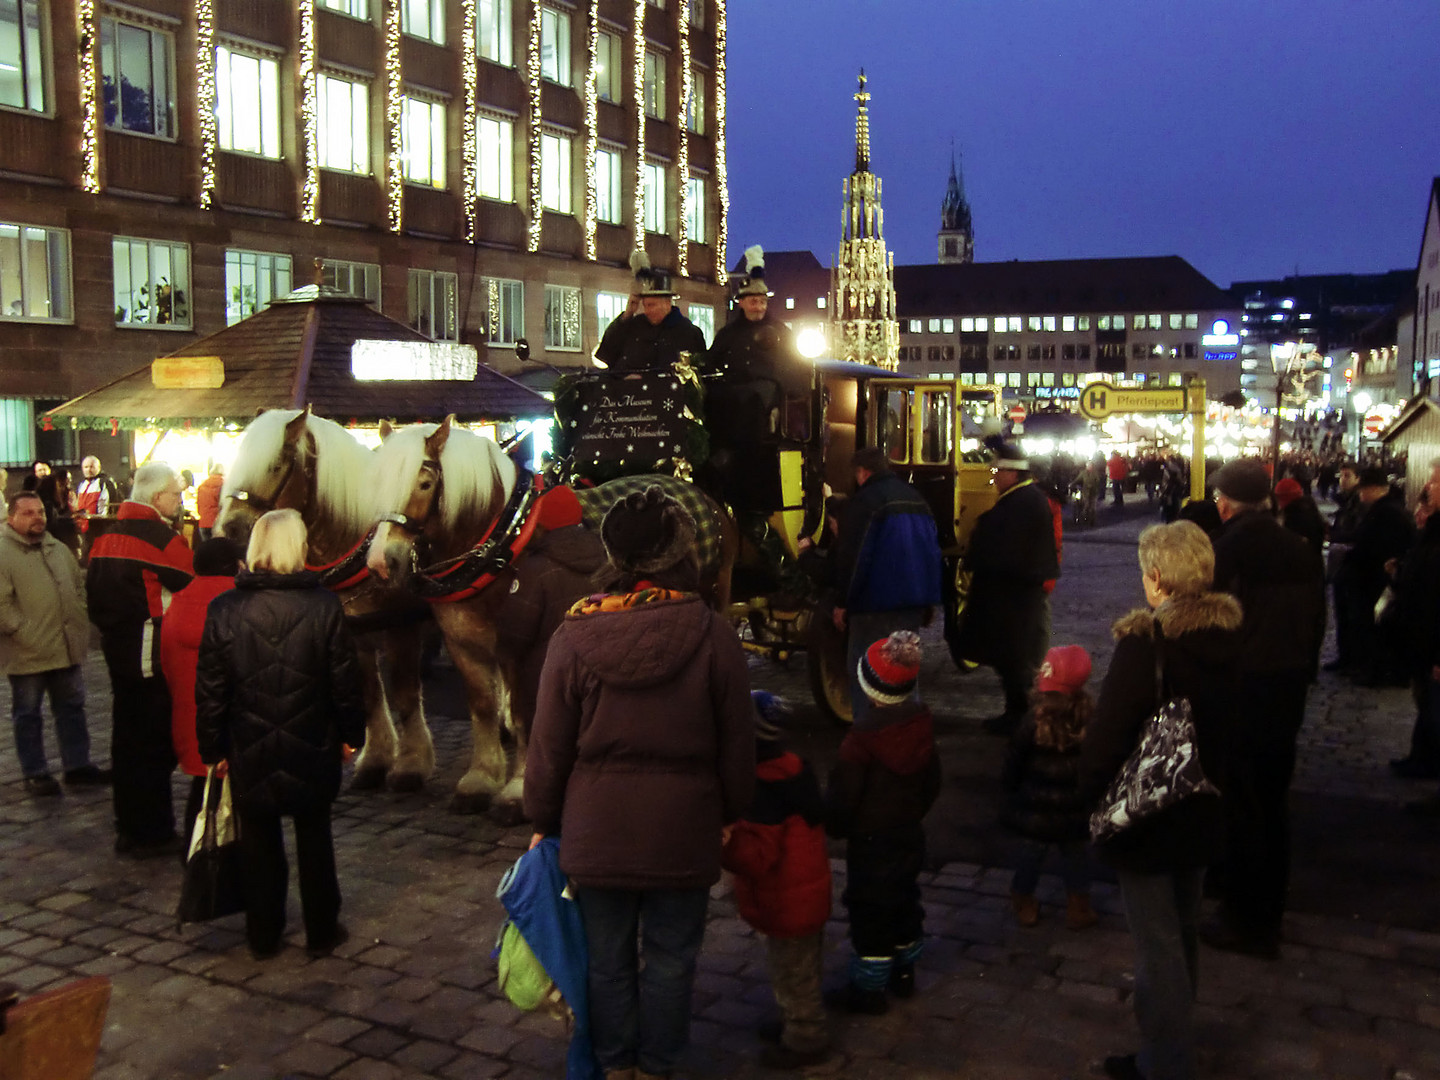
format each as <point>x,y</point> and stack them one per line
<point>1100,399</point>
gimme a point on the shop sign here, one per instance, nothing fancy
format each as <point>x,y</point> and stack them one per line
<point>187,373</point>
<point>1043,393</point>
<point>413,361</point>
<point>1221,354</point>
<point>1220,335</point>
<point>1100,399</point>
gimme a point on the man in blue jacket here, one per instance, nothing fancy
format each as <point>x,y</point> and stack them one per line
<point>887,562</point>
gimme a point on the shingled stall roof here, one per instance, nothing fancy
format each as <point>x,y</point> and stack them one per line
<point>297,352</point>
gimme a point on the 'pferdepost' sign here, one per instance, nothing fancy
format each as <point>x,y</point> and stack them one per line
<point>1100,399</point>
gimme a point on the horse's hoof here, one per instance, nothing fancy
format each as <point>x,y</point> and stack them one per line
<point>469,804</point>
<point>507,814</point>
<point>406,782</point>
<point>368,778</point>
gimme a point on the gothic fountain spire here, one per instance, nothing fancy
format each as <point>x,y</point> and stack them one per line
<point>957,234</point>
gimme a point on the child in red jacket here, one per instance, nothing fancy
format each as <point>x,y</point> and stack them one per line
<point>782,887</point>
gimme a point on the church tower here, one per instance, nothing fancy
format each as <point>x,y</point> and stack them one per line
<point>864,328</point>
<point>957,236</point>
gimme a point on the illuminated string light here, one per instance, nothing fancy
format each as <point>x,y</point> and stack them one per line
<point>637,63</point>
<point>394,118</point>
<point>90,95</point>
<point>682,8</point>
<point>205,100</point>
<point>722,174</point>
<point>470,128</point>
<point>532,80</point>
<point>592,132</point>
<point>309,115</point>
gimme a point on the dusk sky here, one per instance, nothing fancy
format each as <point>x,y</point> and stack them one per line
<point>1251,137</point>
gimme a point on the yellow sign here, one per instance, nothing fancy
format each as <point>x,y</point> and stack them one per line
<point>188,373</point>
<point>1099,400</point>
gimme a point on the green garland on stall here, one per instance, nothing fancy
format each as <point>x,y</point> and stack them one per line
<point>135,423</point>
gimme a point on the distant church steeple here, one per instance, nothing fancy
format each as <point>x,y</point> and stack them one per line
<point>957,235</point>
<point>864,326</point>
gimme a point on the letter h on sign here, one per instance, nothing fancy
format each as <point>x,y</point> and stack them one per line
<point>1095,400</point>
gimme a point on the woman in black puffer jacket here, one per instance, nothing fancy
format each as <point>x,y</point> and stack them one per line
<point>277,693</point>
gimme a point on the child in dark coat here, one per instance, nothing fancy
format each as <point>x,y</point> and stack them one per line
<point>885,781</point>
<point>1041,780</point>
<point>782,886</point>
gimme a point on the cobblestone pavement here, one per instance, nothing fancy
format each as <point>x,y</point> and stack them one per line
<point>412,994</point>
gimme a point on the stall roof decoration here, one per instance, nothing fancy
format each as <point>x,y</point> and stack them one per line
<point>296,352</point>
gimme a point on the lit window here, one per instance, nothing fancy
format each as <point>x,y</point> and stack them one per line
<point>1175,321</point>
<point>1000,324</point>
<point>609,68</point>
<point>493,17</point>
<point>555,46</point>
<point>912,326</point>
<point>1049,323</point>
<point>152,283</point>
<point>695,113</point>
<point>1033,322</point>
<point>1067,378</point>
<point>252,280</point>
<point>1103,323</point>
<point>789,303</point>
<point>495,172</point>
<point>1154,321</point>
<point>356,9</point>
<point>697,18</point>
<point>504,311</point>
<point>820,302</point>
<point>433,304</point>
<point>562,318</point>
<point>1014,379</point>
<point>1015,324</point>
<point>967,326</point>
<point>609,306</point>
<point>654,195</point>
<point>352,278</point>
<point>704,319</point>
<point>555,173</point>
<point>933,326</point>
<point>139,84</point>
<point>947,326</point>
<point>654,89</point>
<point>423,141</point>
<point>1176,379</point>
<point>34,273</point>
<point>424,19</point>
<point>1067,323</point>
<point>344,125</point>
<point>1192,321</point>
<point>982,324</point>
<point>695,210</point>
<point>22,55</point>
<point>608,204</point>
<point>1083,323</point>
<point>247,102</point>
<point>1137,324</point>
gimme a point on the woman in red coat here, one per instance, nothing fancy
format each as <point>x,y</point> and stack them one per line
<point>216,562</point>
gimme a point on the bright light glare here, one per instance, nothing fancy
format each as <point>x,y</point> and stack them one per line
<point>811,342</point>
<point>1362,401</point>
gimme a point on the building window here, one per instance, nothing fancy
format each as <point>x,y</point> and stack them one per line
<point>424,19</point>
<point>932,326</point>
<point>1084,350</point>
<point>1047,352</point>
<point>697,17</point>
<point>555,173</point>
<point>1154,322</point>
<point>967,326</point>
<point>1032,379</point>
<point>152,283</point>
<point>422,141</point>
<point>356,9</point>
<point>695,210</point>
<point>1067,352</point>
<point>344,125</point>
<point>352,278</point>
<point>34,273</point>
<point>1067,323</point>
<point>1015,324</point>
<point>610,306</point>
<point>609,68</point>
<point>562,318</point>
<point>495,171</point>
<point>654,88</point>
<point>820,302</point>
<point>555,46</point>
<point>1192,322</point>
<point>252,280</point>
<point>1189,350</point>
<point>1033,322</point>
<point>654,192</point>
<point>947,326</point>
<point>912,326</point>
<point>434,303</point>
<point>495,31</point>
<point>247,102</point>
<point>1103,323</point>
<point>1083,323</point>
<point>1175,321</point>
<point>1137,323</point>
<point>1050,323</point>
<point>504,311</point>
<point>695,111</point>
<point>1032,352</point>
<point>136,66</point>
<point>1139,350</point>
<point>22,55</point>
<point>1157,349</point>
<point>608,204</point>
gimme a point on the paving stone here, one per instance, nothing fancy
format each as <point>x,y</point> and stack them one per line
<point>489,1039</point>
<point>378,1042</point>
<point>336,1030</point>
<point>425,1056</point>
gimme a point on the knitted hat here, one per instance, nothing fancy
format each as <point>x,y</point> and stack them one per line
<point>648,280</point>
<point>1064,671</point>
<point>1287,491</point>
<point>1244,480</point>
<point>890,668</point>
<point>753,283</point>
<point>646,532</point>
<point>771,712</point>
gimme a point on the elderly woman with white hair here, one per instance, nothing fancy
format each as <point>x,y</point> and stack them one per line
<point>277,694</point>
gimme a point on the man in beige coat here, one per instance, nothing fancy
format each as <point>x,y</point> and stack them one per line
<point>44,633</point>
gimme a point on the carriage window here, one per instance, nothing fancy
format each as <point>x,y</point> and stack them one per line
<point>937,411</point>
<point>893,424</point>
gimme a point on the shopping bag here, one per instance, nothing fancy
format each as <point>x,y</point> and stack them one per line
<point>212,885</point>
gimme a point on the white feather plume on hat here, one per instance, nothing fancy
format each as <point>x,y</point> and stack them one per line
<point>639,260</point>
<point>753,284</point>
<point>754,256</point>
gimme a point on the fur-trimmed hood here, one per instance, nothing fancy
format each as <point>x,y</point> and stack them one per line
<point>1181,615</point>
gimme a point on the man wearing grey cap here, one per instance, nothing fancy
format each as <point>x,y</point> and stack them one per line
<point>1280,583</point>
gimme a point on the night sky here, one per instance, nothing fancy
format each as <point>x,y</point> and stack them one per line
<point>1251,137</point>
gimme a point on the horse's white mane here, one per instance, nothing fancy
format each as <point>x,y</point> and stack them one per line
<point>473,468</point>
<point>342,466</point>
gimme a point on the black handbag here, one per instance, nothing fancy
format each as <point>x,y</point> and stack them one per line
<point>1162,771</point>
<point>212,886</point>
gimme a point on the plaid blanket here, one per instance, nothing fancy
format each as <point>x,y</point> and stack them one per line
<point>596,501</point>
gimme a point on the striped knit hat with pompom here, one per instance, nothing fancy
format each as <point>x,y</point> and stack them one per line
<point>890,668</point>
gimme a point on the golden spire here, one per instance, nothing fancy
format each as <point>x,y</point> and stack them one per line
<point>862,128</point>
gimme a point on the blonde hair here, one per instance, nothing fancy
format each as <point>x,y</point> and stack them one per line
<point>277,543</point>
<point>1179,556</point>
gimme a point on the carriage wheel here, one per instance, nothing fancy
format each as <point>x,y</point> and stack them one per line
<point>825,660</point>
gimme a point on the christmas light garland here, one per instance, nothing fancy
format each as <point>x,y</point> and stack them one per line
<point>722,176</point>
<point>89,34</point>
<point>309,115</point>
<point>592,132</point>
<point>637,63</point>
<point>532,81</point>
<point>469,122</point>
<point>682,240</point>
<point>205,99</point>
<point>394,119</point>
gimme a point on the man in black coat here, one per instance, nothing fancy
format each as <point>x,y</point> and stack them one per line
<point>1279,581</point>
<point>1384,531</point>
<point>1412,627</point>
<point>1006,620</point>
<point>652,332</point>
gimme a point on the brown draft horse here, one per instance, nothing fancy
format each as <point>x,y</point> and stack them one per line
<point>291,458</point>
<point>440,489</point>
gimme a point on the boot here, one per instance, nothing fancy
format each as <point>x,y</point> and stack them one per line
<point>1027,909</point>
<point>902,979</point>
<point>1079,915</point>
